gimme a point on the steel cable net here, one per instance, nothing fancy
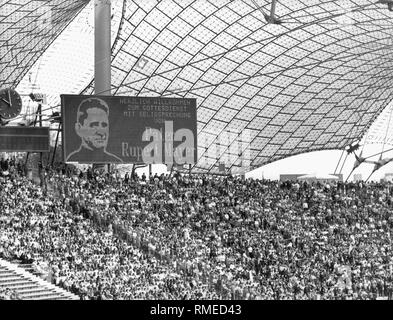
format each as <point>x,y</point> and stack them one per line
<point>264,91</point>
<point>27,28</point>
<point>67,66</point>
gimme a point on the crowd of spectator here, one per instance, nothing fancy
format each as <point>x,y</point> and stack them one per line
<point>106,236</point>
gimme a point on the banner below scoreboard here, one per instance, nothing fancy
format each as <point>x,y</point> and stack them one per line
<point>24,139</point>
<point>118,129</point>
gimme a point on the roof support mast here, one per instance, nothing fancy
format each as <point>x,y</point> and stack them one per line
<point>273,10</point>
<point>102,47</point>
<point>272,18</point>
<point>102,51</point>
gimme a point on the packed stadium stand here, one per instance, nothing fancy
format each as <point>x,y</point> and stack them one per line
<point>103,236</point>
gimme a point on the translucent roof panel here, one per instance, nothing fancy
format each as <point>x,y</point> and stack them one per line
<point>264,91</point>
<point>67,65</point>
<point>381,131</point>
<point>27,28</point>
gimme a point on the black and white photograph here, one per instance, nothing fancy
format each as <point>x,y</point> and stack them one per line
<point>196,155</point>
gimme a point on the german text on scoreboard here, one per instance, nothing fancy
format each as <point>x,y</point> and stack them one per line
<point>116,129</point>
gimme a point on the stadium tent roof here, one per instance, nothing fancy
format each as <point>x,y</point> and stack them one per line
<point>67,66</point>
<point>264,91</point>
<point>27,28</point>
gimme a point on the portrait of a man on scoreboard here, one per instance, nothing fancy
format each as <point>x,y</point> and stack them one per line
<point>92,126</point>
